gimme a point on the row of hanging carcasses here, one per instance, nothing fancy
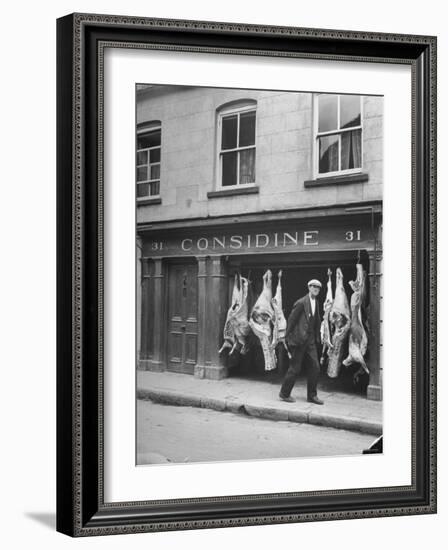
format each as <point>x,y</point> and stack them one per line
<point>268,323</point>
<point>266,319</point>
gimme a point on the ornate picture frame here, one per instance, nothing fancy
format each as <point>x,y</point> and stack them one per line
<point>81,42</point>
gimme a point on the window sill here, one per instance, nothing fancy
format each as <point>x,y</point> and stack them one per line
<point>145,202</point>
<point>338,180</point>
<point>253,190</point>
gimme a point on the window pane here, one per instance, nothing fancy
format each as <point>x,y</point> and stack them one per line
<point>155,172</point>
<point>229,129</point>
<point>154,155</point>
<point>328,154</point>
<point>247,129</point>
<point>351,150</point>
<point>247,166</point>
<point>229,164</point>
<point>350,111</point>
<point>155,188</point>
<point>142,157</point>
<point>142,173</point>
<point>150,139</point>
<point>328,113</point>
<point>142,189</point>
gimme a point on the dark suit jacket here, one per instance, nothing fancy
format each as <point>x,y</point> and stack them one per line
<point>299,327</point>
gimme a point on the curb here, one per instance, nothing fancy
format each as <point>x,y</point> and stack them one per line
<point>351,423</point>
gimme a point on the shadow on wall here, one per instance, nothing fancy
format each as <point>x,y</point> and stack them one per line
<point>47,519</point>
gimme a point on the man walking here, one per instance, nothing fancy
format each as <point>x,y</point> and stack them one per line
<point>303,337</point>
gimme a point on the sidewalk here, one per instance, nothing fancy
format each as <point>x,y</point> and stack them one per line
<point>260,399</point>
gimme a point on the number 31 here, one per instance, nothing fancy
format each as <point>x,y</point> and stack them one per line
<point>352,236</point>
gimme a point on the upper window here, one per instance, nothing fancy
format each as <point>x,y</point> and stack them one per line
<point>338,134</point>
<point>237,145</point>
<point>148,160</point>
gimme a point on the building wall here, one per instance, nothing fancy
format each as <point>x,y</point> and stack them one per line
<point>284,153</point>
<point>284,167</point>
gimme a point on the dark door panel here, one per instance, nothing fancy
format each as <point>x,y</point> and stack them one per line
<point>182,318</point>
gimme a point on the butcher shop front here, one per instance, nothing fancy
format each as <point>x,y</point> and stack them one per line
<point>190,275</point>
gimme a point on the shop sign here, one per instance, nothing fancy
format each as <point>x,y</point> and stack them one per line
<point>259,242</point>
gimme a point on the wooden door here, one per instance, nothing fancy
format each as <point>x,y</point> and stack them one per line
<point>182,317</point>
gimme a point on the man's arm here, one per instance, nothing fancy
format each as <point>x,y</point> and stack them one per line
<point>293,318</point>
<point>319,322</point>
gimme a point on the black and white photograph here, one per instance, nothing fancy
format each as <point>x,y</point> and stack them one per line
<point>222,296</point>
<point>259,264</point>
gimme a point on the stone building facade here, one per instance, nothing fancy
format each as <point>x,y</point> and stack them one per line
<point>235,180</point>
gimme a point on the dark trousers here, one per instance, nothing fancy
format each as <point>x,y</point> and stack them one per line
<point>299,354</point>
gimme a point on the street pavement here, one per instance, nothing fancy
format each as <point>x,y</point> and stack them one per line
<point>260,399</point>
<point>175,434</point>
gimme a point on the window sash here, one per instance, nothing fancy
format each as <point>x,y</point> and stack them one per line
<point>339,133</point>
<point>238,149</point>
<point>152,183</point>
<point>339,142</point>
<point>342,131</point>
<point>148,171</point>
<point>238,166</point>
<point>153,189</point>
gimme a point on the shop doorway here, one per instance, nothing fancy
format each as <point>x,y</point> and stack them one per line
<point>296,272</point>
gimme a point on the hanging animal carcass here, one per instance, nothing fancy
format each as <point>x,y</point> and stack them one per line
<point>261,321</point>
<point>279,329</point>
<point>236,328</point>
<point>325,327</point>
<point>357,341</point>
<point>340,324</point>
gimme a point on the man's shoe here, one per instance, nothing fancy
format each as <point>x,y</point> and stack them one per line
<point>288,398</point>
<point>315,400</point>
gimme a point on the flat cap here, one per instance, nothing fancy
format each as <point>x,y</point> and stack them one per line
<point>315,282</point>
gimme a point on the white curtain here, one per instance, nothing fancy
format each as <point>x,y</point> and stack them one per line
<point>247,166</point>
<point>351,150</point>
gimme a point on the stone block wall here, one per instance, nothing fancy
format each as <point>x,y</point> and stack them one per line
<point>284,152</point>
